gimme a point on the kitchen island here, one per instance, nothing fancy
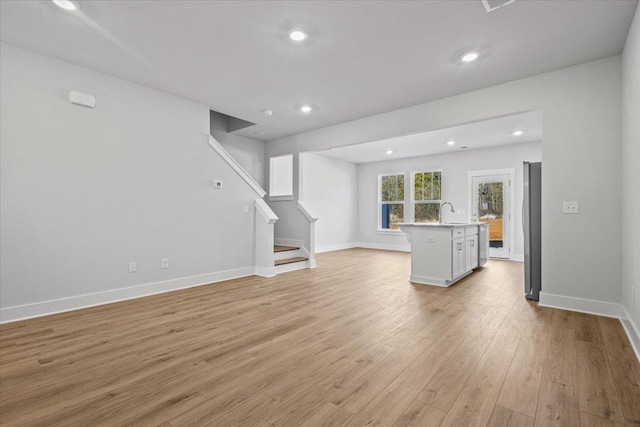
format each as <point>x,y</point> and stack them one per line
<point>442,254</point>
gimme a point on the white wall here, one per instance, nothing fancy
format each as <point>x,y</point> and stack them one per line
<point>455,189</point>
<point>281,176</point>
<point>249,153</point>
<point>86,191</point>
<point>581,108</point>
<point>329,191</point>
<point>630,171</point>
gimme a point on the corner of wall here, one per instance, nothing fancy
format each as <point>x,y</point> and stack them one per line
<point>598,308</point>
<point>630,186</point>
<point>632,330</point>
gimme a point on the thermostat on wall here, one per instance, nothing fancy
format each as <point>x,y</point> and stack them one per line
<point>217,184</point>
<point>83,99</point>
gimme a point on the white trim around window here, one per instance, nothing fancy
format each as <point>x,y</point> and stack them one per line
<point>412,198</point>
<point>380,230</point>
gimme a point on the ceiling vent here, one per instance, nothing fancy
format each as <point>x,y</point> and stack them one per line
<point>491,5</point>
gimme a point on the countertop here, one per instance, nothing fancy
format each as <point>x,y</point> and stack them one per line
<point>443,225</point>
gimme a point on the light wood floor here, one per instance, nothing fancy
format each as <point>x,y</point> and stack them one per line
<point>349,343</point>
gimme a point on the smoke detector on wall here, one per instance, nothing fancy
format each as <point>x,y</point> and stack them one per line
<point>491,5</point>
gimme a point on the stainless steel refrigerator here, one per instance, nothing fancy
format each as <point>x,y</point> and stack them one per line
<point>532,228</point>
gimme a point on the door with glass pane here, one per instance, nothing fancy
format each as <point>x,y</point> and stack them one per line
<point>491,205</point>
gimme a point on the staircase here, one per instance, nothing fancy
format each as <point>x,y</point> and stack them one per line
<point>289,258</point>
<point>295,247</point>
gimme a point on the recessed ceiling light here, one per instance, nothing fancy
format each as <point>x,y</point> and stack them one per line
<point>306,108</point>
<point>517,133</point>
<point>463,147</point>
<point>298,34</point>
<point>469,56</point>
<point>450,142</point>
<point>66,4</point>
<point>389,151</point>
<point>268,113</point>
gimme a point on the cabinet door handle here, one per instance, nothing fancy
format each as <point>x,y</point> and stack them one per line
<point>473,243</point>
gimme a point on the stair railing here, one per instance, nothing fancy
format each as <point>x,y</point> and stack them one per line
<point>265,218</point>
<point>311,238</point>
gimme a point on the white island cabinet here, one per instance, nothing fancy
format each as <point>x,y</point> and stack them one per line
<point>442,254</point>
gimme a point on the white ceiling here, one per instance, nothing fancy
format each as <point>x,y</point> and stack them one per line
<point>362,58</point>
<point>487,133</point>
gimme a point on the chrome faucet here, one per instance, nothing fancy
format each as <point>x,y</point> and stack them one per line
<point>440,211</point>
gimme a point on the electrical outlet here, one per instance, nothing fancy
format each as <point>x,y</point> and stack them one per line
<point>245,209</point>
<point>164,263</point>
<point>570,207</point>
<point>133,267</point>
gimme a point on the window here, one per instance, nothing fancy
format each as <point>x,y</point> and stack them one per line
<point>426,196</point>
<point>390,201</point>
<point>281,178</point>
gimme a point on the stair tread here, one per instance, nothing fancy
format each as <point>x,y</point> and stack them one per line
<point>290,260</point>
<point>283,248</point>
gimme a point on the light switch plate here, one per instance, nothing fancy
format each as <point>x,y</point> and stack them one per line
<point>217,184</point>
<point>570,207</point>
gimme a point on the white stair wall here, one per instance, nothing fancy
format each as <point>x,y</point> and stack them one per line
<point>289,254</point>
<point>285,268</point>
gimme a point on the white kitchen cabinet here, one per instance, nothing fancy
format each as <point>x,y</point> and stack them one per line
<point>471,255</point>
<point>483,244</point>
<point>457,257</point>
<point>442,254</point>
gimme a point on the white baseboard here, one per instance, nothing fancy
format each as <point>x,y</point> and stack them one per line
<point>338,247</point>
<point>265,271</point>
<point>45,308</point>
<point>431,281</point>
<point>599,308</point>
<point>632,330</point>
<point>386,247</point>
<point>517,257</point>
<point>581,305</point>
<point>437,281</point>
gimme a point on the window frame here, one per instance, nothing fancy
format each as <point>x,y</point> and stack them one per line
<point>381,230</point>
<point>413,202</point>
